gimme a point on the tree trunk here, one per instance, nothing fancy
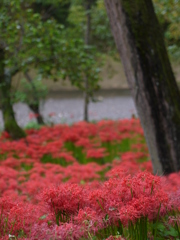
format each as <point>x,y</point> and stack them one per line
<point>141,46</point>
<point>86,99</point>
<point>10,124</point>
<point>88,6</point>
<point>34,106</point>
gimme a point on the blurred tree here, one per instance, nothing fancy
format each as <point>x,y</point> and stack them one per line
<point>80,27</point>
<point>140,43</point>
<point>5,86</point>
<point>32,93</point>
<point>28,42</point>
<point>101,36</point>
<point>168,12</point>
<point>23,35</point>
<point>83,61</point>
<point>87,5</point>
<point>60,11</point>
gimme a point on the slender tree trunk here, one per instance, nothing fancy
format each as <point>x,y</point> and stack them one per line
<point>88,5</point>
<point>86,99</point>
<point>34,106</point>
<point>141,46</point>
<point>10,124</point>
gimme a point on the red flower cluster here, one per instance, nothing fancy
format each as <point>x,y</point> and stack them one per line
<point>66,182</point>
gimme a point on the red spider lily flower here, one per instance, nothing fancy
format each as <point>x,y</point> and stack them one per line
<point>51,114</point>
<point>4,135</point>
<point>33,115</point>
<point>96,153</point>
<point>84,142</point>
<point>115,238</point>
<point>19,216</point>
<point>128,195</point>
<point>128,213</point>
<point>78,173</point>
<point>65,231</point>
<point>65,155</point>
<point>68,231</point>
<point>42,232</point>
<point>173,220</point>
<point>143,192</point>
<point>96,200</point>
<point>64,199</point>
<point>90,220</point>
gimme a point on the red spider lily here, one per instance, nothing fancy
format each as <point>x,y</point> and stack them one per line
<point>78,173</point>
<point>51,114</point>
<point>127,214</point>
<point>33,115</point>
<point>69,231</point>
<point>22,216</point>
<point>90,220</point>
<point>65,155</point>
<point>115,238</point>
<point>19,216</point>
<point>65,231</point>
<point>96,153</point>
<point>64,200</point>
<point>84,142</point>
<point>173,220</point>
<point>125,193</point>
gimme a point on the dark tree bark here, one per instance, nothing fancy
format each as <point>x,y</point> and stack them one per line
<point>140,43</point>
<point>10,124</point>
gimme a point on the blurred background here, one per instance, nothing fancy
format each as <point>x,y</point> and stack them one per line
<point>61,62</point>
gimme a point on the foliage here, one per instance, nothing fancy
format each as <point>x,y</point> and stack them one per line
<point>26,35</point>
<point>32,125</point>
<point>60,54</point>
<point>59,10</point>
<point>27,92</point>
<point>101,36</point>
<point>23,35</point>
<point>168,13</point>
<point>86,60</point>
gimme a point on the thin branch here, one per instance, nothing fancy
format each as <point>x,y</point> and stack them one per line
<point>29,79</point>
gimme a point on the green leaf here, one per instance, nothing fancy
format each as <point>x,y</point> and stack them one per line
<point>172,232</point>
<point>43,217</point>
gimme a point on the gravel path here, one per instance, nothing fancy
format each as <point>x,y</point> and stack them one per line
<point>71,110</point>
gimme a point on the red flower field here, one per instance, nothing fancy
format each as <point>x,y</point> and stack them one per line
<point>85,181</point>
